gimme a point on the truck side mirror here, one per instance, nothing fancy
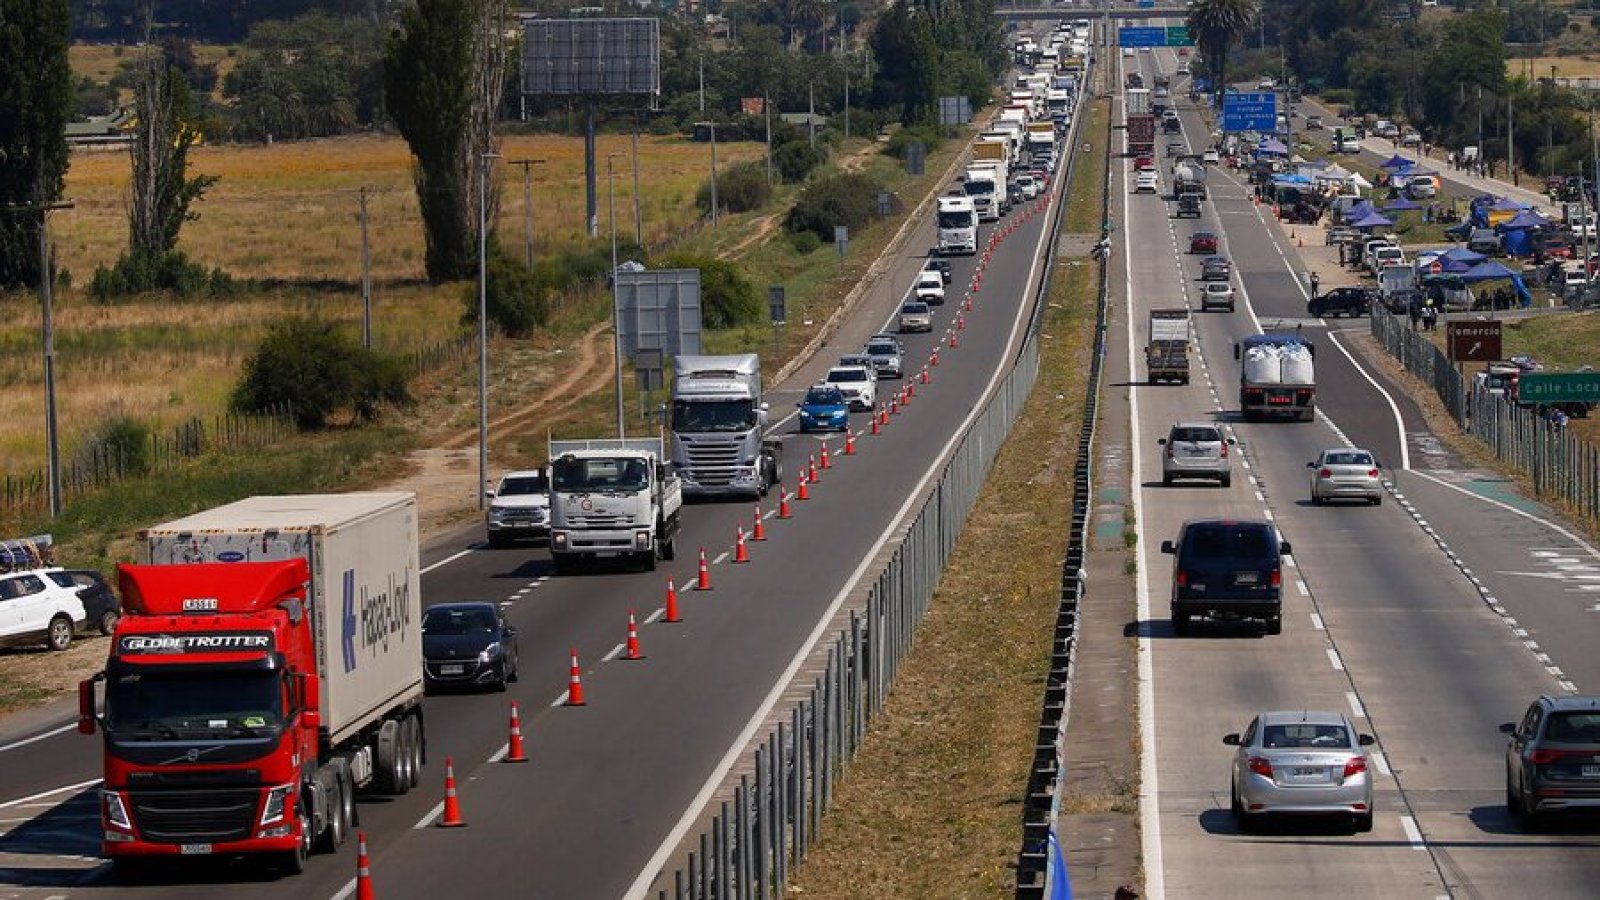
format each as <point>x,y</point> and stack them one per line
<point>86,710</point>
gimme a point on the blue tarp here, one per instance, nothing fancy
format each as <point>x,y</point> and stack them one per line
<point>1372,220</point>
<point>1398,162</point>
<point>1488,270</point>
<point>1528,218</point>
<point>1402,205</point>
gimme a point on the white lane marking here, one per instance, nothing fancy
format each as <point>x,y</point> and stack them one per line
<point>39,737</point>
<point>559,700</point>
<point>1300,585</point>
<point>721,558</point>
<point>444,562</point>
<point>500,754</point>
<point>1413,834</point>
<point>1381,759</point>
<point>1316,623</point>
<point>348,889</point>
<point>659,612</point>
<point>641,884</point>
<point>429,816</point>
<point>1149,785</point>
<point>613,654</point>
<point>1334,660</point>
<point>1356,709</point>
<point>53,791</point>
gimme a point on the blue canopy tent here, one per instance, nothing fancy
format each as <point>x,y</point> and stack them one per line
<point>1489,270</point>
<point>1516,233</point>
<point>1372,219</point>
<point>1404,204</point>
<point>1357,210</point>
<point>1506,204</point>
<point>1397,162</point>
<point>1527,218</point>
<point>1272,147</point>
<point>1464,257</point>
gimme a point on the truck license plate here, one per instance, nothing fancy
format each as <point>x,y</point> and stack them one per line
<point>452,670</point>
<point>1280,399</point>
<point>194,849</point>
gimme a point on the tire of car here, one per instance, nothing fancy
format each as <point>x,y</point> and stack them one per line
<point>1235,805</point>
<point>1166,480</point>
<point>1180,624</point>
<point>500,684</point>
<point>1226,480</point>
<point>1532,819</point>
<point>108,621</point>
<point>1274,625</point>
<point>1363,823</point>
<point>58,636</point>
<point>1378,500</point>
<point>1316,499</point>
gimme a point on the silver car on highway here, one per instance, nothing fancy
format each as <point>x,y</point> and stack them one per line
<point>1196,450</point>
<point>1301,762</point>
<point>1345,473</point>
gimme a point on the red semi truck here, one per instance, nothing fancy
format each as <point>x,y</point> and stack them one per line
<point>268,664</point>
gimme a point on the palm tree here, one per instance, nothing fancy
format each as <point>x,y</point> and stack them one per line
<point>1215,26</point>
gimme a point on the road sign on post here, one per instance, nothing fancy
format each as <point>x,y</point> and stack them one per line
<point>841,239</point>
<point>1178,36</point>
<point>775,304</point>
<point>1250,112</point>
<point>1564,387</point>
<point>1473,341</point>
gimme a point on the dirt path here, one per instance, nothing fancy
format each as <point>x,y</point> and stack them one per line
<point>442,475</point>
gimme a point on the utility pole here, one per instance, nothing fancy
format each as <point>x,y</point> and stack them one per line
<point>766,109</point>
<point>366,275</point>
<point>702,83</point>
<point>811,114</point>
<point>52,431</point>
<point>616,289</point>
<point>846,91</point>
<point>638,218</point>
<point>483,328</point>
<point>713,176</point>
<point>527,206</point>
<point>1511,145</point>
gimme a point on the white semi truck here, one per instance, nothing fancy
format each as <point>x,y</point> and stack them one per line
<point>613,498</point>
<point>985,183</point>
<point>958,226</point>
<point>719,422</point>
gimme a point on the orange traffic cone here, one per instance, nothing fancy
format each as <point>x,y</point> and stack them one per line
<point>514,753</point>
<point>671,615</point>
<point>575,682</point>
<point>961,323</point>
<point>933,358</point>
<point>363,869</point>
<point>827,461</point>
<point>925,376</point>
<point>968,304</point>
<point>783,502</point>
<point>954,341</point>
<point>907,393</point>
<point>1299,242</point>
<point>452,806</point>
<point>633,639</point>
<point>849,444</point>
<point>703,580</point>
<point>803,493</point>
<point>741,554</point>
<point>811,470</point>
<point>759,531</point>
<point>883,415</point>
<point>894,405</point>
<point>875,426</point>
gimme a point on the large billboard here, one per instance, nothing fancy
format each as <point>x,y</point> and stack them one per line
<point>591,56</point>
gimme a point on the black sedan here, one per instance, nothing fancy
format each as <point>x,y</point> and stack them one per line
<point>1341,301</point>
<point>468,644</point>
<point>100,605</point>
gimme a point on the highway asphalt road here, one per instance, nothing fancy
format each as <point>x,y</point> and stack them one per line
<point>613,786</point>
<point>1380,623</point>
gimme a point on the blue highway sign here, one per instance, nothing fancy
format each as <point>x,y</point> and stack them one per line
<point>1249,112</point>
<point>1141,37</point>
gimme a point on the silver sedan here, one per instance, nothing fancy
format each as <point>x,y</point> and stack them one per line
<point>1301,763</point>
<point>1345,473</point>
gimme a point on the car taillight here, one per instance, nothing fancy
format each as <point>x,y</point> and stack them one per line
<point>1355,766</point>
<point>1276,578</point>
<point>1260,765</point>
<point>1169,451</point>
<point>1181,578</point>
<point>1224,451</point>
<point>1372,473</point>
<point>1324,473</point>
<point>1546,757</point>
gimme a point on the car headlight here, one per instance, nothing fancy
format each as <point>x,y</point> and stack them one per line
<point>116,813</point>
<point>540,514</point>
<point>277,798</point>
<point>489,653</point>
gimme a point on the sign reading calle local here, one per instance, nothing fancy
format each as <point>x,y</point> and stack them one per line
<point>1562,387</point>
<point>1250,112</point>
<point>1473,341</point>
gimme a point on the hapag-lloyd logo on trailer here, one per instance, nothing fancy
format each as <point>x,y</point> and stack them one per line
<point>374,617</point>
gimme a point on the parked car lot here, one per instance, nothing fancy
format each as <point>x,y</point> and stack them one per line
<point>1300,762</point>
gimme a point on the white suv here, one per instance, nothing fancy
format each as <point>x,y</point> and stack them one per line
<point>859,385</point>
<point>519,508</point>
<point>930,287</point>
<point>35,608</point>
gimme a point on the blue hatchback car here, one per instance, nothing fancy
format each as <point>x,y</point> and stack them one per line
<point>824,409</point>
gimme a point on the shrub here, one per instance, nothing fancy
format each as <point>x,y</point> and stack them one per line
<point>171,272</point>
<point>727,298</point>
<point>740,188</point>
<point>796,159</point>
<point>1339,96</point>
<point>848,199</point>
<point>516,298</point>
<point>805,242</point>
<point>927,135</point>
<point>122,437</point>
<point>317,371</point>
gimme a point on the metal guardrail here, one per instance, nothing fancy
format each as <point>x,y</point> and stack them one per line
<point>1563,467</point>
<point>773,818</point>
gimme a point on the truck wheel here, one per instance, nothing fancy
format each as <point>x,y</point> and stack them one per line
<point>59,635</point>
<point>669,549</point>
<point>407,776</point>
<point>332,836</point>
<point>386,750</point>
<point>293,862</point>
<point>419,750</point>
<point>647,559</point>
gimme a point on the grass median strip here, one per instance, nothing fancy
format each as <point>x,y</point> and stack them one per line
<point>932,804</point>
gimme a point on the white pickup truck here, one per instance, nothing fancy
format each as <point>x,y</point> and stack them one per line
<point>612,498</point>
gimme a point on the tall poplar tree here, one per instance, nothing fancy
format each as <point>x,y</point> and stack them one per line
<point>35,101</point>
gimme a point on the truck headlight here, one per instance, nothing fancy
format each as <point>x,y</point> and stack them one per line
<point>641,540</point>
<point>115,812</point>
<point>277,798</point>
<point>558,540</point>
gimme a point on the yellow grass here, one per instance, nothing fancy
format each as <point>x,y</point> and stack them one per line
<point>100,62</point>
<point>1585,66</point>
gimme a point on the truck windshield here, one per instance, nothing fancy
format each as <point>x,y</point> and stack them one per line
<point>171,705</point>
<point>978,188</point>
<point>693,416</point>
<point>962,219</point>
<point>601,474</point>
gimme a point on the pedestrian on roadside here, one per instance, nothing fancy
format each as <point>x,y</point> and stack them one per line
<point>1450,159</point>
<point>1314,284</point>
<point>1414,309</point>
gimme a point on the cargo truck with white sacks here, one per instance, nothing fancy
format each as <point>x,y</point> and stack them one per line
<point>1166,351</point>
<point>267,665</point>
<point>1277,376</point>
<point>614,498</point>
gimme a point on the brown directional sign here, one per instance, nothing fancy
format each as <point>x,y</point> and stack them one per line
<point>1473,341</point>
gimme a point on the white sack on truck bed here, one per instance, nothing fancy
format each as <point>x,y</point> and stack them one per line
<point>1297,366</point>
<point>1263,365</point>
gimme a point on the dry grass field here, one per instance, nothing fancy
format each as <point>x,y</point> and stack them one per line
<point>286,213</point>
<point>100,62</point>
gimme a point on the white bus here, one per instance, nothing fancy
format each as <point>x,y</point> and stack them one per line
<point>958,226</point>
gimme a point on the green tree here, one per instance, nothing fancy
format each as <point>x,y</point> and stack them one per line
<point>36,97</point>
<point>1216,25</point>
<point>727,298</point>
<point>162,188</point>
<point>318,372</point>
<point>442,77</point>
